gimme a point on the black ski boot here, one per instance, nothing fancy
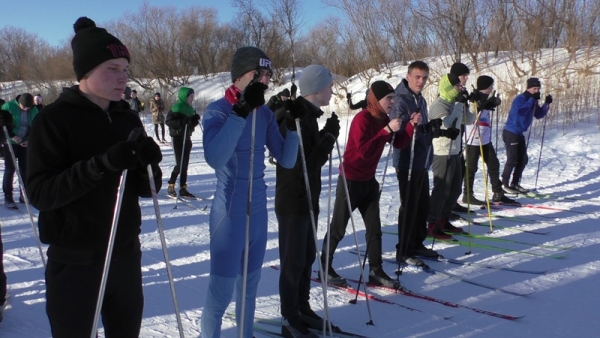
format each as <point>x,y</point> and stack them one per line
<point>378,277</point>
<point>333,278</point>
<point>292,327</point>
<point>171,191</point>
<point>500,197</point>
<point>183,192</point>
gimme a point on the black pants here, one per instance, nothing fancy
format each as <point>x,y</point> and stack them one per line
<point>162,126</point>
<point>412,234</point>
<point>10,167</point>
<point>364,195</point>
<point>447,179</point>
<point>297,252</point>
<point>516,157</point>
<point>72,292</point>
<point>491,161</point>
<point>180,167</point>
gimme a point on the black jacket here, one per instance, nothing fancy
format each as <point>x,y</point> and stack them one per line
<point>290,189</point>
<point>66,181</point>
<point>177,122</point>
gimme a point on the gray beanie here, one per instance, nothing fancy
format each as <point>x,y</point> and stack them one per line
<point>246,59</point>
<point>314,78</point>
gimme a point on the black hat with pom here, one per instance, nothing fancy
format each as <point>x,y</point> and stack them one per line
<point>92,46</point>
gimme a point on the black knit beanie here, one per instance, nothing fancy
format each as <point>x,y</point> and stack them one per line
<point>533,82</point>
<point>92,46</point>
<point>246,59</point>
<point>26,100</point>
<point>459,69</point>
<point>484,82</point>
<point>381,89</point>
<point>453,78</point>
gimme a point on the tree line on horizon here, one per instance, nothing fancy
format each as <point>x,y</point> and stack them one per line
<point>169,45</point>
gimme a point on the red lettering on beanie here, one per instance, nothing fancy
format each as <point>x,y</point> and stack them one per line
<point>118,51</point>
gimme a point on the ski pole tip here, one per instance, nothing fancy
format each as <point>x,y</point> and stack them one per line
<point>352,301</point>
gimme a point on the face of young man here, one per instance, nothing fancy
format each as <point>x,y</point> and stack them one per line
<point>534,90</point>
<point>488,90</point>
<point>156,97</point>
<point>106,82</point>
<point>463,79</point>
<point>387,102</point>
<point>190,99</point>
<point>264,77</point>
<point>323,96</point>
<point>417,78</point>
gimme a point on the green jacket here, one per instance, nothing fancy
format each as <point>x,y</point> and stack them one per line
<point>15,111</point>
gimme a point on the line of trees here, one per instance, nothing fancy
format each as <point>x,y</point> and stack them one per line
<point>169,44</point>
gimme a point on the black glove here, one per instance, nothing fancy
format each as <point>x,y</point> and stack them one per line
<point>332,125</point>
<point>433,127</point>
<point>195,120</point>
<point>451,133</point>
<point>463,96</point>
<point>491,103</point>
<point>537,96</point>
<point>293,110</point>
<point>348,96</point>
<point>5,118</point>
<point>252,97</point>
<point>474,96</point>
<point>123,155</point>
<point>149,151</point>
<point>548,99</point>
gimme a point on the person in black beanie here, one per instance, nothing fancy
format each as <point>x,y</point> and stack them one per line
<point>522,111</point>
<point>462,72</point>
<point>80,145</point>
<point>275,103</point>
<point>478,140</point>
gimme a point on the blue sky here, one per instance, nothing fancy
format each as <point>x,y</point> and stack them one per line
<point>53,20</point>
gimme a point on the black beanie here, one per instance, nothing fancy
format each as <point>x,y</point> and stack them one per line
<point>381,89</point>
<point>453,78</point>
<point>246,59</point>
<point>26,100</point>
<point>285,93</point>
<point>92,46</point>
<point>484,82</point>
<point>533,82</point>
<point>459,69</point>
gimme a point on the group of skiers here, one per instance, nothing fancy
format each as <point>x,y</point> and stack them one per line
<point>87,157</point>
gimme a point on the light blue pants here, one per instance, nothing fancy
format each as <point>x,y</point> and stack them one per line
<point>226,261</point>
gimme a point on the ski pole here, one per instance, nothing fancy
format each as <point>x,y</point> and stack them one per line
<point>163,241</point>
<point>24,193</point>
<point>185,131</point>
<point>540,157</point>
<point>364,263</point>
<point>328,216</point>
<point>111,239</point>
<point>485,178</point>
<point>362,272</point>
<point>312,222</point>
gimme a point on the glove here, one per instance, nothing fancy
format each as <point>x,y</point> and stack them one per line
<point>491,103</point>
<point>195,120</point>
<point>121,156</point>
<point>348,96</point>
<point>5,118</point>
<point>149,151</point>
<point>252,97</point>
<point>452,133</point>
<point>293,110</point>
<point>537,96</point>
<point>474,96</point>
<point>463,96</point>
<point>548,99</point>
<point>433,127</point>
<point>332,126</point>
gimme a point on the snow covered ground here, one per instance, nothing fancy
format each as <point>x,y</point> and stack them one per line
<point>565,302</point>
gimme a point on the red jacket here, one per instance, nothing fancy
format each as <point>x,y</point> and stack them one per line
<point>366,140</point>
